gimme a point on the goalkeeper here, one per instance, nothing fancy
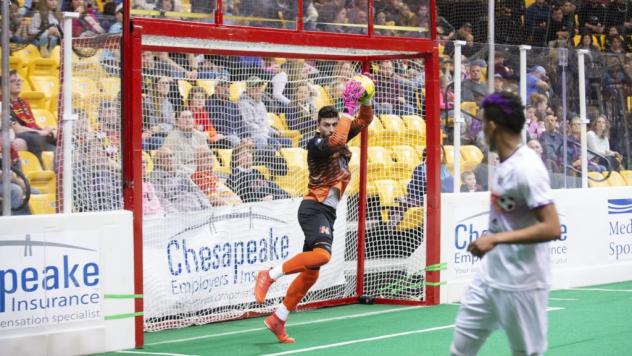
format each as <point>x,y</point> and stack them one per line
<point>328,161</point>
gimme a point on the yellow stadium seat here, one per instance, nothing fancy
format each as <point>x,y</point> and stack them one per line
<point>43,67</point>
<point>279,123</point>
<point>29,161</point>
<point>394,130</point>
<point>322,97</point>
<point>627,176</point>
<point>472,153</point>
<point>415,133</point>
<point>295,157</point>
<point>376,132</point>
<point>184,87</point>
<point>44,181</point>
<point>27,54</point>
<point>294,182</point>
<point>48,85</point>
<point>88,66</point>
<point>413,218</point>
<point>48,159</point>
<point>449,157</point>
<point>84,88</point>
<point>470,107</point>
<point>596,179</point>
<point>406,159</point>
<point>223,158</point>
<point>149,167</point>
<point>615,180</point>
<point>111,87</point>
<point>388,191</point>
<point>380,163</point>
<point>263,170</point>
<point>19,64</point>
<point>55,55</point>
<point>207,85</point>
<point>36,99</point>
<point>44,118</point>
<point>42,204</point>
<point>236,88</point>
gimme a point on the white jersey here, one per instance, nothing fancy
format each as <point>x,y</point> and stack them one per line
<point>520,184</point>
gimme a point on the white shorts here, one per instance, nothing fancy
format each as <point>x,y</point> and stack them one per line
<point>522,314</point>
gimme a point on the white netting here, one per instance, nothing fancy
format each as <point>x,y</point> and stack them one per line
<point>225,156</point>
<point>96,137</point>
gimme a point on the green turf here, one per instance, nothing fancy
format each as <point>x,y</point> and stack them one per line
<point>591,323</point>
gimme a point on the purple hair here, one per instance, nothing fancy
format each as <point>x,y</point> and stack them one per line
<point>500,101</point>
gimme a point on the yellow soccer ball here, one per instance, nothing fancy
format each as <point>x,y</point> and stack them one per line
<point>367,84</point>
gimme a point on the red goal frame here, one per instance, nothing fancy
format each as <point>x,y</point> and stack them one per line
<point>131,70</point>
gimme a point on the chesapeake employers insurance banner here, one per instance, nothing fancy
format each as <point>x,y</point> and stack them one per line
<point>595,246</point>
<point>49,278</point>
<point>197,261</point>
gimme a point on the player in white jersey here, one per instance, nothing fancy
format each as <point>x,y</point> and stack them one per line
<point>512,288</point>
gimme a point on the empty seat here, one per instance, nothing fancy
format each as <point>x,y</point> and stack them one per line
<point>388,191</point>
<point>48,85</point>
<point>236,88</point>
<point>42,204</point>
<point>279,123</point>
<point>415,133</point>
<point>376,132</point>
<point>472,153</point>
<point>295,157</point>
<point>322,97</point>
<point>615,180</point>
<point>48,160</point>
<point>627,176</point>
<point>19,64</point>
<point>29,162</point>
<point>84,88</point>
<point>184,87</point>
<point>43,67</point>
<point>223,158</point>
<point>111,87</point>
<point>380,163</point>
<point>43,181</point>
<point>207,85</point>
<point>406,159</point>
<point>44,118</point>
<point>394,129</point>
<point>413,218</point>
<point>36,99</point>
<point>596,179</point>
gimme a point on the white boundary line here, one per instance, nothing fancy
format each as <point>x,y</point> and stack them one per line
<point>201,337</point>
<point>420,331</point>
<point>603,290</point>
<point>381,337</point>
<point>151,353</point>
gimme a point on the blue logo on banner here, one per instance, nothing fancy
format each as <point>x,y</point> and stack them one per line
<point>619,206</point>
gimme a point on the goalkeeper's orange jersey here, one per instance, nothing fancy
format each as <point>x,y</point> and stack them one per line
<point>328,158</point>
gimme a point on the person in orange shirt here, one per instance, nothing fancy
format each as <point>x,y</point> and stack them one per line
<point>203,122</point>
<point>210,184</point>
<point>328,161</point>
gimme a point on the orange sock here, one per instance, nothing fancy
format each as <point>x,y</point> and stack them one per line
<point>306,260</point>
<point>299,287</point>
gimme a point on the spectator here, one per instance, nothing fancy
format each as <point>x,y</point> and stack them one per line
<point>283,84</point>
<point>210,184</point>
<point>559,28</point>
<point>618,14</point>
<point>204,6</point>
<point>209,70</point>
<point>592,16</point>
<point>228,122</point>
<point>302,114</point>
<point>537,81</point>
<point>96,171</point>
<point>473,89</point>
<point>389,94</point>
<point>37,139</point>
<point>509,27</point>
<point>109,119</point>
<point>535,127</point>
<point>117,26</point>
<point>161,122</point>
<point>151,202</point>
<point>537,22</point>
<point>500,67</point>
<point>255,116</point>
<point>203,123</point>
<point>598,142</point>
<point>574,148</point>
<point>87,24</point>
<point>17,187</point>
<point>535,145</point>
<point>183,141</point>
<point>249,184</point>
<point>468,180</point>
<point>18,26</point>
<point>461,34</point>
<point>174,188</point>
<point>45,27</point>
<point>552,144</point>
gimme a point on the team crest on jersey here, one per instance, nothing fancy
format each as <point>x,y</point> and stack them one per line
<point>503,203</point>
<point>325,230</point>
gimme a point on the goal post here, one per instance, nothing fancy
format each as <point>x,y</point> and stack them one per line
<point>394,271</point>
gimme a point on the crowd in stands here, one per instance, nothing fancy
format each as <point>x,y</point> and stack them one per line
<point>215,127</point>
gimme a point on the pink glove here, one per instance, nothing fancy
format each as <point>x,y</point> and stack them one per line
<point>351,96</point>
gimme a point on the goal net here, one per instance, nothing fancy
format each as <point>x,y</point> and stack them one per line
<point>225,169</point>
